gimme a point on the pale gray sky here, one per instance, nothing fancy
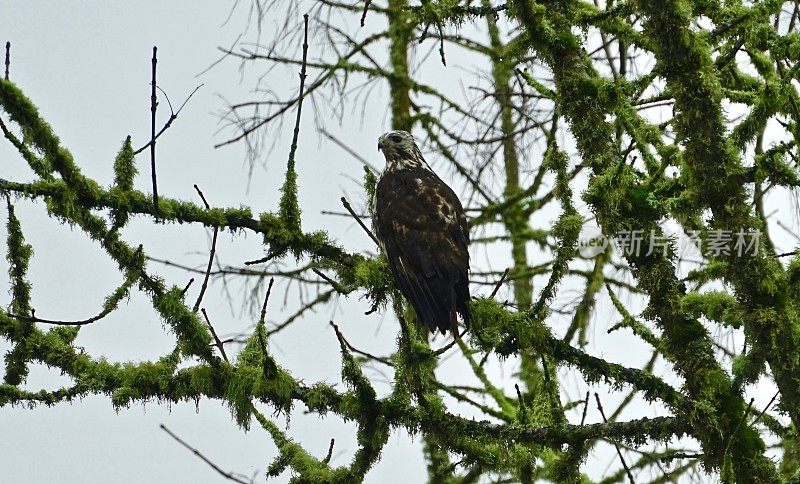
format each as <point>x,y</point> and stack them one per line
<point>86,65</point>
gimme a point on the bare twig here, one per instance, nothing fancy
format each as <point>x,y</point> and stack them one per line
<point>441,43</point>
<point>296,133</point>
<point>187,286</point>
<point>456,339</point>
<point>173,116</point>
<point>238,271</point>
<point>82,322</point>
<point>327,458</point>
<point>268,365</point>
<point>217,341</point>
<point>355,350</point>
<point>357,219</point>
<point>330,281</point>
<point>769,404</point>
<point>202,197</point>
<point>619,451</point>
<point>153,105</point>
<point>8,58</point>
<point>788,230</point>
<point>350,151</point>
<point>585,407</point>
<point>266,258</point>
<point>321,297</point>
<point>366,9</point>
<point>228,475</point>
<point>266,300</point>
<point>499,284</point>
<point>207,274</point>
<point>342,214</point>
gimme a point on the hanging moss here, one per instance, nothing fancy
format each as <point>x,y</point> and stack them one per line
<point>18,255</point>
<point>370,182</point>
<point>289,208</point>
<point>124,166</point>
<point>717,306</point>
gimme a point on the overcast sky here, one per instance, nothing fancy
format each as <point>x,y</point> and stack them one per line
<point>86,65</point>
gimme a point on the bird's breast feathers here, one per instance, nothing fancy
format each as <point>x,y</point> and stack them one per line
<point>416,195</point>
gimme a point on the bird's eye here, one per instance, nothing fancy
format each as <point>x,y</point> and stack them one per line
<point>396,138</point>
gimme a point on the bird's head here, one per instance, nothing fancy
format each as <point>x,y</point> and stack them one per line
<point>400,150</point>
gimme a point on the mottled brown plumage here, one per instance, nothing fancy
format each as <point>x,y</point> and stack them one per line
<point>423,230</point>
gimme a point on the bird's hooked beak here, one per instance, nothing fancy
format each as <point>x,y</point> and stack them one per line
<point>380,144</point>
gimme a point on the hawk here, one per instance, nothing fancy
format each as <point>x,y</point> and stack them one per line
<point>423,231</point>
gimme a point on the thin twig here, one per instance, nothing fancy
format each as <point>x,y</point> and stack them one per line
<point>172,117</point>
<point>266,299</point>
<point>327,458</point>
<point>202,197</point>
<point>166,96</point>
<point>350,151</point>
<point>153,105</point>
<point>330,281</point>
<point>364,14</point>
<point>207,275</point>
<point>342,214</point>
<point>239,271</point>
<point>8,58</point>
<point>788,230</point>
<point>499,284</point>
<point>355,216</point>
<point>585,408</point>
<point>456,339</point>
<point>619,451</point>
<point>217,341</point>
<point>769,404</point>
<point>321,297</point>
<point>266,258</point>
<point>352,348</point>
<point>441,43</point>
<point>228,475</point>
<point>787,254</point>
<point>187,286</point>
<point>268,364</point>
<point>296,133</point>
<point>82,322</point>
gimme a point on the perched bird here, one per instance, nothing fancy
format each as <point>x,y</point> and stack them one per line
<point>423,231</point>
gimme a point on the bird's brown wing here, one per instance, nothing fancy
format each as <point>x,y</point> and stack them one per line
<point>425,236</point>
